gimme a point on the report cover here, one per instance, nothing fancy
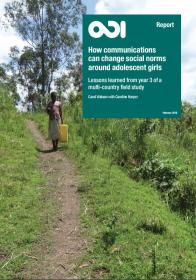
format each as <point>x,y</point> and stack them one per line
<point>132,66</point>
<point>97,139</point>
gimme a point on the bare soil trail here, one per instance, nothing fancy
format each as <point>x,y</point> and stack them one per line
<point>58,260</point>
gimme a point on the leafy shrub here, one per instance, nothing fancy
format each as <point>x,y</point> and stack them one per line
<point>163,173</point>
<point>109,238</point>
<point>140,146</point>
<point>183,195</point>
<point>177,185</point>
<point>110,234</point>
<point>188,140</point>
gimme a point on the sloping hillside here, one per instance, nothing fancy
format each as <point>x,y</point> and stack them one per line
<point>21,190</point>
<point>134,233</point>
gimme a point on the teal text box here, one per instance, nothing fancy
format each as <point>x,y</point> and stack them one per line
<point>136,74</point>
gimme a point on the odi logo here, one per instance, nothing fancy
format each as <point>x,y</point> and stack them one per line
<point>97,29</point>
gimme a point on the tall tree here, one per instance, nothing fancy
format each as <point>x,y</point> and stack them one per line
<point>26,69</point>
<point>71,79</point>
<point>47,26</point>
<point>76,73</point>
<point>7,80</point>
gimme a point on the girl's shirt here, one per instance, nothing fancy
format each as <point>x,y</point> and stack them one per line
<point>54,110</point>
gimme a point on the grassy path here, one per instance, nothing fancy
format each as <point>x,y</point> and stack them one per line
<point>57,258</point>
<point>133,233</point>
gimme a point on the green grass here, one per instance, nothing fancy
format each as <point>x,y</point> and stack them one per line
<point>132,233</point>
<point>22,191</point>
<point>135,145</point>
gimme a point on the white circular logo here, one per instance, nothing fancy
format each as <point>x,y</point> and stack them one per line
<point>119,29</point>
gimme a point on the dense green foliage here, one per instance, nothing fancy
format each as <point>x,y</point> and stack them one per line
<point>47,27</point>
<point>21,190</point>
<point>127,167</point>
<point>133,233</point>
<point>161,151</point>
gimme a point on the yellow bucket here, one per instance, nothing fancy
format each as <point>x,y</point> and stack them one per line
<point>63,133</point>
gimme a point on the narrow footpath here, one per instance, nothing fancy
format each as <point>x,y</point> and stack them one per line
<point>57,258</point>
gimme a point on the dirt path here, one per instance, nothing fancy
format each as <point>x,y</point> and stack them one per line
<point>58,260</point>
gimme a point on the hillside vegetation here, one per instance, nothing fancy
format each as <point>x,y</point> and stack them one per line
<point>134,174</point>
<point>21,190</point>
<point>160,151</point>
